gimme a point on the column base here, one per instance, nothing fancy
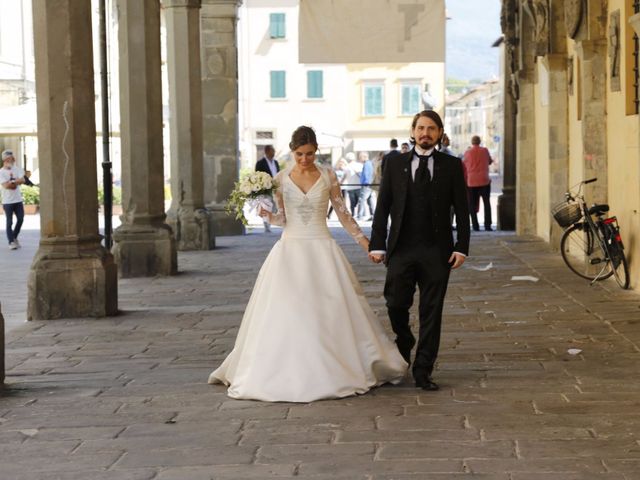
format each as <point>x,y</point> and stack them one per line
<point>70,280</point>
<point>194,229</point>
<point>225,224</point>
<point>507,210</point>
<point>145,251</point>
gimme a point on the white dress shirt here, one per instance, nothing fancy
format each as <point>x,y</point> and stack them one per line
<point>415,163</point>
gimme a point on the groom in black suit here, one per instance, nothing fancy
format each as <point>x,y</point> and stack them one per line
<point>418,190</point>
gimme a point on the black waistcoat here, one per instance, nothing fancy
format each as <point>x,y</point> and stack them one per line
<point>417,225</point>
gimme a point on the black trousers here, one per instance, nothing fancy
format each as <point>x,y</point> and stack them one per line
<point>475,193</point>
<point>424,266</point>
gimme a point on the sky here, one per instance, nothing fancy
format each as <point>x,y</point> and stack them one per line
<point>472,29</point>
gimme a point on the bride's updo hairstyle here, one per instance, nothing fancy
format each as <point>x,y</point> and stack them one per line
<point>303,136</point>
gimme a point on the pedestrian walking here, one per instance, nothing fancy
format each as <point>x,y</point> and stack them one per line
<point>11,177</point>
<point>477,160</point>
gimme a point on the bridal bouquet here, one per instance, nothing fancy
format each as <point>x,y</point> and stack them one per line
<point>255,190</point>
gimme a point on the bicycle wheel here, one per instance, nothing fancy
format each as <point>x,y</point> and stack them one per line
<point>583,253</point>
<point>620,266</point>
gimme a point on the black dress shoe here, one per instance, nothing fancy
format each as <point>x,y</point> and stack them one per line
<point>427,384</point>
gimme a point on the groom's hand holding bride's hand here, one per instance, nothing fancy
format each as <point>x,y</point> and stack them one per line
<point>376,257</point>
<point>456,260</point>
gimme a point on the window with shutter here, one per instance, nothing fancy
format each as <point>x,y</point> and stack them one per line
<point>314,84</point>
<point>277,25</point>
<point>278,84</point>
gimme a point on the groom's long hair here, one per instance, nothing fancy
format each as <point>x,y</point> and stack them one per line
<point>433,116</point>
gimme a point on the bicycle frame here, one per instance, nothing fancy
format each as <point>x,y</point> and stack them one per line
<point>596,229</point>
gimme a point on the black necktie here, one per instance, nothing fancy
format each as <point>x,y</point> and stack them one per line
<point>422,173</point>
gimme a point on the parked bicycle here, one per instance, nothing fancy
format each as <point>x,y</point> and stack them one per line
<point>591,245</point>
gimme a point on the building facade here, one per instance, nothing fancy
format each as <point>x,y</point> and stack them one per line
<point>17,81</point>
<point>477,112</point>
<point>352,106</point>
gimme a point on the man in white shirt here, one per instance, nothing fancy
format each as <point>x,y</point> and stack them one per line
<point>11,177</point>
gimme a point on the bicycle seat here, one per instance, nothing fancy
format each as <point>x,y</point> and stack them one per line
<point>599,209</point>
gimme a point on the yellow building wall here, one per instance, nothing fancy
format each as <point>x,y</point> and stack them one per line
<point>391,75</point>
<point>623,152</point>
<point>623,147</point>
<point>541,92</point>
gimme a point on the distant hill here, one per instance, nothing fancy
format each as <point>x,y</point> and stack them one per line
<point>473,27</point>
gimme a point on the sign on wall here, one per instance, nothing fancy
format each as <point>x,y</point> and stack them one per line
<point>372,31</point>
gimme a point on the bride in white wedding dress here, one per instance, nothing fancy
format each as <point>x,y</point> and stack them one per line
<point>308,332</point>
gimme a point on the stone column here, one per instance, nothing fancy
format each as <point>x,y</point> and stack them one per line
<point>593,74</point>
<point>144,244</point>
<point>219,19</point>
<point>589,29</point>
<point>72,275</point>
<point>190,221</point>
<point>558,123</point>
<point>507,200</point>
<point>526,132</point>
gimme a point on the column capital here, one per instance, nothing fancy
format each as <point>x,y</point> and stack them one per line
<point>634,21</point>
<point>233,3</point>
<point>589,49</point>
<point>220,8</point>
<point>555,61</point>
<point>181,3</point>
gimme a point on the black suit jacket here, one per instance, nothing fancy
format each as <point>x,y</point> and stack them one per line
<point>387,157</point>
<point>263,166</point>
<point>447,189</point>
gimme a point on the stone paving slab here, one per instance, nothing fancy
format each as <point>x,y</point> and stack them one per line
<point>126,397</point>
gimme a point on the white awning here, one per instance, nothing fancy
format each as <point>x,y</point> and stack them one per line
<point>18,120</point>
<point>372,31</point>
<point>371,144</point>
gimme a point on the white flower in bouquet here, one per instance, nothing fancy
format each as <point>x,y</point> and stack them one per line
<point>254,189</point>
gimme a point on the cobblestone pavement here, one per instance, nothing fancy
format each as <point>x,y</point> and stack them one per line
<point>126,397</point>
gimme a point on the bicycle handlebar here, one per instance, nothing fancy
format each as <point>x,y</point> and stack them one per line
<point>569,196</point>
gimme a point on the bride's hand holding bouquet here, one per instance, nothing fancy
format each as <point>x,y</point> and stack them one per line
<point>255,189</point>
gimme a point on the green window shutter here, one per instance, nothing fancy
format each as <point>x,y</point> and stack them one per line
<point>406,102</point>
<point>277,25</point>
<point>410,99</point>
<point>373,100</point>
<point>278,84</point>
<point>314,84</point>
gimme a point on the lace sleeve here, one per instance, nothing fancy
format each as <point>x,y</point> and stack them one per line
<point>279,217</point>
<point>347,221</point>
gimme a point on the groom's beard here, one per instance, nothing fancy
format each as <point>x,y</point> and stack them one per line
<point>427,145</point>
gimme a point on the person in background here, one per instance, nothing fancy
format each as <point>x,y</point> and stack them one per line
<point>366,192</point>
<point>268,164</point>
<point>11,177</point>
<point>445,146</point>
<point>351,183</point>
<point>394,152</point>
<point>476,161</point>
<point>404,148</point>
